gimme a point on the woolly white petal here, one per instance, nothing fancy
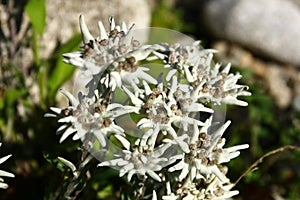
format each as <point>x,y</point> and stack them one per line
<point>147,88</point>
<point>77,62</point>
<point>50,115</point>
<point>237,147</point>
<point>3,185</point>
<point>100,137</point>
<point>145,123</point>
<point>3,159</point>
<point>126,168</point>
<point>102,31</point>
<point>134,99</point>
<point>62,127</point>
<point>184,172</point>
<point>56,110</point>
<point>110,162</point>
<point>67,163</point>
<point>124,141</point>
<point>86,35</point>
<point>227,195</point>
<point>67,132</point>
<point>66,119</point>
<point>112,23</point>
<point>218,133</point>
<point>178,166</point>
<point>75,54</point>
<point>154,196</point>
<point>130,174</point>
<point>154,175</point>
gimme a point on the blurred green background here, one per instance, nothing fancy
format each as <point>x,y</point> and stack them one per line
<point>27,94</point>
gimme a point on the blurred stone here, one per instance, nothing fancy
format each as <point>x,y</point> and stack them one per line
<point>278,86</point>
<point>296,101</point>
<point>267,27</point>
<point>62,18</point>
<point>296,2</point>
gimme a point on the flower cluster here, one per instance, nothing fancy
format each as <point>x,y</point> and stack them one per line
<point>178,142</point>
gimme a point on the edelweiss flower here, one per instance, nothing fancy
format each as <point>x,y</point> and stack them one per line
<point>215,190</point>
<point>181,58</point>
<point>210,84</point>
<point>176,132</point>
<point>4,173</point>
<point>90,116</point>
<point>115,52</point>
<point>142,161</point>
<point>166,107</point>
<point>219,86</point>
<point>205,154</point>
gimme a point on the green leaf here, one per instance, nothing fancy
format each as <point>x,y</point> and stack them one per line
<point>105,193</point>
<point>36,11</point>
<point>12,95</point>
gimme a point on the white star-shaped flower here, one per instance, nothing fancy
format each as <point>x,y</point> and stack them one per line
<point>141,160</point>
<point>112,57</point>
<point>90,116</point>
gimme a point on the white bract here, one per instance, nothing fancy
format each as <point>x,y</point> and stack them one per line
<point>4,173</point>
<point>176,140</point>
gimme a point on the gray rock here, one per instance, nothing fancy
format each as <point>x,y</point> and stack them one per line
<point>268,27</point>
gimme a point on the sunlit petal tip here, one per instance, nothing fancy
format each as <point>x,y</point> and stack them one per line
<point>136,101</point>
<point>66,119</point>
<point>3,159</point>
<point>56,110</point>
<point>197,43</point>
<point>226,68</point>
<point>124,27</point>
<point>3,185</point>
<point>112,23</point>
<point>86,35</point>
<point>103,164</point>
<point>67,132</point>
<point>61,128</point>
<point>71,55</point>
<point>67,163</point>
<point>212,51</point>
<point>6,174</point>
<point>154,196</point>
<point>237,148</point>
<point>70,97</point>
<point>154,175</point>
<point>50,115</point>
<point>102,31</point>
<point>124,141</point>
